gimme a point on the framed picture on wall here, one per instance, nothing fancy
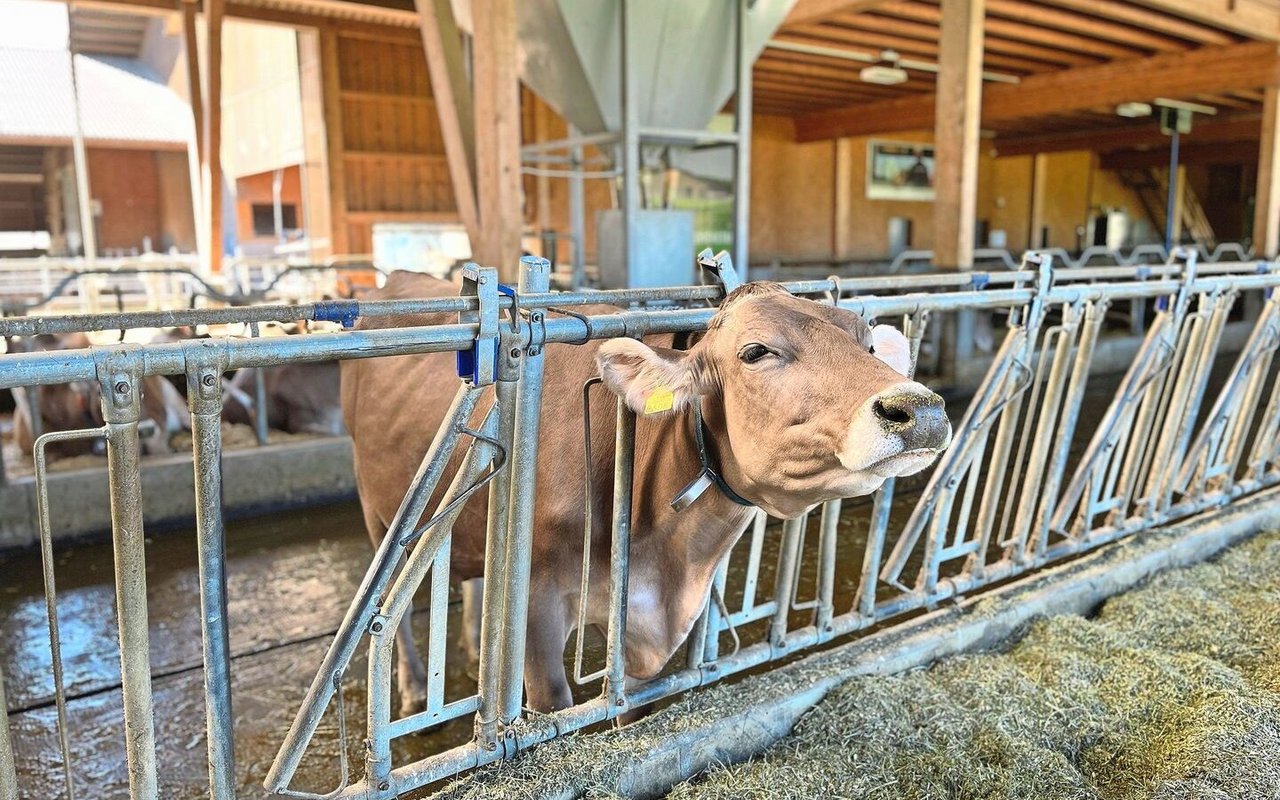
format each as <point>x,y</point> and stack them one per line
<point>899,170</point>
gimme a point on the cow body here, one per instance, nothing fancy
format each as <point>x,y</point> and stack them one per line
<point>301,398</point>
<point>394,405</point>
<point>76,405</point>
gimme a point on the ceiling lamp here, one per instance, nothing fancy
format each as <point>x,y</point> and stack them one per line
<point>889,74</point>
<point>1133,110</point>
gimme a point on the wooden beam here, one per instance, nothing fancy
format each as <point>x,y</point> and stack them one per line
<point>1266,209</point>
<point>1134,15</point>
<point>211,141</point>
<point>499,200</point>
<point>316,186</point>
<point>1208,69</point>
<point>1256,19</point>
<point>813,10</point>
<point>841,229</point>
<point>955,154</point>
<point>331,90</point>
<point>191,57</point>
<point>1088,25</point>
<point>1144,134</point>
<point>1188,153</point>
<point>454,105</point>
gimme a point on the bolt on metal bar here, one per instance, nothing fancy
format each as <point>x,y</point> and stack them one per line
<point>204,400</point>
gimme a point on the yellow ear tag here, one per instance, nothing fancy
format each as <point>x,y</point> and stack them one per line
<point>659,400</point>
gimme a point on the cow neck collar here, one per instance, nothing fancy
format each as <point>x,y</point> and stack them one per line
<point>709,476</point>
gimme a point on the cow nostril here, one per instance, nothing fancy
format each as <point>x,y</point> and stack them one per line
<point>898,413</point>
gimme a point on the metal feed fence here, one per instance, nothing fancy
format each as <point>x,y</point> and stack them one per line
<point>1008,497</point>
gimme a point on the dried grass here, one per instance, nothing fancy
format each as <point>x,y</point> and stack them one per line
<point>1171,692</point>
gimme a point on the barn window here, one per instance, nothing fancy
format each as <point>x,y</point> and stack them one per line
<point>264,218</point>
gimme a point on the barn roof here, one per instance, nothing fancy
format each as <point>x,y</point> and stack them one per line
<point>122,102</point>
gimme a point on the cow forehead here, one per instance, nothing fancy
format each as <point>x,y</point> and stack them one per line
<point>776,311</point>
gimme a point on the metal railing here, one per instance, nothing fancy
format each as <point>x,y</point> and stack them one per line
<point>1008,497</point>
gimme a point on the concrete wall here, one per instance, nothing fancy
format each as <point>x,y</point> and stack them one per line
<point>255,480</point>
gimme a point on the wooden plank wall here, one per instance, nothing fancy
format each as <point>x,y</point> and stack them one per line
<point>392,157</point>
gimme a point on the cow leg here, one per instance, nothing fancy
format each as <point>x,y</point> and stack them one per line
<point>546,686</point>
<point>411,674</point>
<point>472,604</point>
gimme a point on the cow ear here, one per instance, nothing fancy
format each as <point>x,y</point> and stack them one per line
<point>650,381</point>
<point>892,348</point>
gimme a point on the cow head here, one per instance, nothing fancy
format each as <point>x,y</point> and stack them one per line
<point>804,402</point>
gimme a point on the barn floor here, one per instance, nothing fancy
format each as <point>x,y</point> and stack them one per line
<point>1171,691</point>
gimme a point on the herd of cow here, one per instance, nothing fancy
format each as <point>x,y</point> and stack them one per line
<point>300,398</point>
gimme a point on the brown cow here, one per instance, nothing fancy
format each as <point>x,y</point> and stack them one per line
<point>301,398</point>
<point>802,403</point>
<point>69,406</point>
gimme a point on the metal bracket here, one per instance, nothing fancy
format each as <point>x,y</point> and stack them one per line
<point>479,365</point>
<point>720,265</point>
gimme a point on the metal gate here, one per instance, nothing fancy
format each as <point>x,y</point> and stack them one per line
<point>1008,497</point>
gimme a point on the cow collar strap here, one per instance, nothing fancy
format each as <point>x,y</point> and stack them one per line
<point>709,476</point>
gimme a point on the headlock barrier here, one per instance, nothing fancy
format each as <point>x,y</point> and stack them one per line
<point>1009,496</point>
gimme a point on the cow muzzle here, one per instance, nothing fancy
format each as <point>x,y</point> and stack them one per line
<point>897,432</point>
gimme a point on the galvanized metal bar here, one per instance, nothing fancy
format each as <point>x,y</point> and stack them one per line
<point>204,401</point>
<point>535,274</point>
<point>51,589</point>
<point>8,764</point>
<point>360,612</point>
<point>260,412</point>
<point>742,97</point>
<point>120,378</point>
<point>788,554</point>
<point>493,620</point>
<point>827,539</point>
<point>615,683</point>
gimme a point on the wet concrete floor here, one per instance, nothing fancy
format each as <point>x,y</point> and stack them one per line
<point>290,578</point>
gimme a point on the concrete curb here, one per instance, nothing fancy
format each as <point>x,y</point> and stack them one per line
<point>255,480</point>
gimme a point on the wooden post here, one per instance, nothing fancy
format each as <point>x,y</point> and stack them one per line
<point>841,231</point>
<point>331,89</point>
<point>497,137</point>
<point>1266,210</point>
<point>195,148</point>
<point>315,163</point>
<point>959,108</point>
<point>211,141</point>
<point>443,50</point>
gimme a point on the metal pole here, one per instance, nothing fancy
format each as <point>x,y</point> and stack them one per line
<point>619,553</point>
<point>204,399</point>
<point>88,234</point>
<point>577,216</point>
<point>261,421</point>
<point>784,582</point>
<point>120,376</point>
<point>535,276</point>
<point>742,146</point>
<point>1171,202</point>
<point>8,769</point>
<point>630,142</point>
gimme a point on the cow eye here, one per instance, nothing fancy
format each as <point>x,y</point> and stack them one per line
<point>753,353</point>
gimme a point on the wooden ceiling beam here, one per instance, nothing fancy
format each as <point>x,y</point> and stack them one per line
<point>817,10</point>
<point>1256,19</point>
<point>1207,70</point>
<point>1095,27</point>
<point>1188,153</point>
<point>1133,14</point>
<point>1146,134</point>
